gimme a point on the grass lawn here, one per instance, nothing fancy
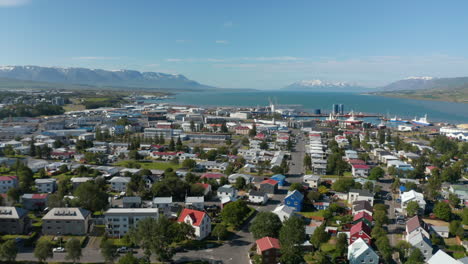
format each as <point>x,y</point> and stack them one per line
<point>309,214</point>
<point>74,107</point>
<point>156,165</point>
<point>120,242</point>
<point>8,237</point>
<point>327,247</point>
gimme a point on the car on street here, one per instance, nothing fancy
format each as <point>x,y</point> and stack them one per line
<point>123,250</point>
<point>58,250</point>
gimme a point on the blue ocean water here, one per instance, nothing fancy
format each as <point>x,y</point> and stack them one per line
<point>405,108</point>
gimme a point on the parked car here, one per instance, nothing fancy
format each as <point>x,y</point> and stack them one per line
<point>58,250</point>
<point>123,250</point>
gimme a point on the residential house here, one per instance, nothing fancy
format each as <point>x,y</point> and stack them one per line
<point>13,220</point>
<point>281,179</point>
<point>258,197</point>
<point>119,184</point>
<point>283,212</point>
<point>442,231</point>
<point>360,170</point>
<point>195,202</point>
<point>163,204</point>
<point>412,195</point>
<point>33,202</point>
<point>269,248</point>
<point>119,220</point>
<point>363,217</point>
<point>233,178</point>
<point>321,205</point>
<point>414,226</point>
<point>76,181</point>
<point>312,180</point>
<point>214,176</point>
<point>360,195</point>
<point>360,252</point>
<point>8,182</point>
<point>66,221</point>
<point>226,191</point>
<point>360,230</point>
<point>269,186</point>
<point>131,202</point>
<point>441,257</point>
<point>423,243</point>
<point>199,220</point>
<point>206,188</point>
<point>294,200</point>
<point>212,165</point>
<point>46,185</point>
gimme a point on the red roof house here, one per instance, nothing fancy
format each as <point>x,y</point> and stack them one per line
<point>269,249</point>
<point>199,220</point>
<point>360,230</point>
<point>363,217</point>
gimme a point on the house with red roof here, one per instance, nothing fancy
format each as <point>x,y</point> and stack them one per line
<point>269,186</point>
<point>360,230</point>
<point>269,249</point>
<point>8,182</point>
<point>242,130</point>
<point>363,217</point>
<point>199,220</point>
<point>214,176</point>
<point>360,170</point>
<point>34,201</point>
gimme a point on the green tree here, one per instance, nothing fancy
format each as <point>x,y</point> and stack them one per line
<point>384,247</point>
<point>108,251</point>
<point>265,224</point>
<point>465,216</point>
<point>456,228</point>
<point>319,236</point>
<point>296,187</point>
<point>343,184</point>
<point>220,231</point>
<point>14,194</point>
<point>412,208</point>
<point>189,164</point>
<point>73,249</point>
<point>171,146</point>
<point>8,251</point>
<point>376,173</point>
<point>313,196</point>
<point>341,244</point>
<point>454,200</point>
<point>253,131</point>
<point>443,211</point>
<point>91,197</point>
<point>43,250</point>
<point>233,213</point>
<point>128,259</point>
<point>240,183</point>
<point>415,257</point>
<point>291,236</point>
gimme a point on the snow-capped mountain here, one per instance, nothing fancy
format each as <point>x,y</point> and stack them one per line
<point>100,77</point>
<point>323,86</point>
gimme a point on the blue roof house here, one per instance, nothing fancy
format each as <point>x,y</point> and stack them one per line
<point>281,179</point>
<point>294,200</point>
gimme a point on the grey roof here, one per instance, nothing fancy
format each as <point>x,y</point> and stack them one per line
<point>226,188</point>
<point>195,199</point>
<point>120,179</point>
<point>256,193</point>
<point>9,212</point>
<point>362,192</point>
<point>41,181</point>
<point>362,205</point>
<point>66,213</point>
<point>162,200</point>
<point>131,199</point>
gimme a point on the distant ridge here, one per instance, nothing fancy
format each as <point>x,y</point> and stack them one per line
<point>98,77</point>
<point>427,83</point>
<point>324,86</point>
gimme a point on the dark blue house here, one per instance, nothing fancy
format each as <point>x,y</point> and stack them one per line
<point>294,200</point>
<point>281,179</point>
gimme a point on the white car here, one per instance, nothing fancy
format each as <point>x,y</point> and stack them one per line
<point>58,250</point>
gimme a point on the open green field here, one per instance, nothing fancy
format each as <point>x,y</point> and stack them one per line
<point>155,165</point>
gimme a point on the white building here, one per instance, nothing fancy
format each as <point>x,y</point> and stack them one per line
<point>199,220</point>
<point>312,180</point>
<point>360,252</point>
<point>119,220</point>
<point>412,195</point>
<point>119,184</point>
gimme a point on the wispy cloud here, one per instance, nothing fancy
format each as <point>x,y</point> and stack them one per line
<point>174,60</point>
<point>11,3</point>
<point>221,41</point>
<point>228,24</point>
<point>95,58</point>
<point>238,59</point>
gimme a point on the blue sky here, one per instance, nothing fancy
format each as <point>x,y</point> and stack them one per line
<point>242,44</point>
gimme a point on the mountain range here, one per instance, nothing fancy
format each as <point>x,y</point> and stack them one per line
<point>324,86</point>
<point>98,77</point>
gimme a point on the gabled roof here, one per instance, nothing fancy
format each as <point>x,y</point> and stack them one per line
<point>361,166</point>
<point>357,248</point>
<point>362,205</point>
<point>162,200</point>
<point>363,215</point>
<point>8,178</point>
<point>415,222</point>
<point>256,193</point>
<point>267,243</point>
<point>269,181</point>
<point>212,175</point>
<point>362,192</point>
<point>442,257</point>
<point>296,195</point>
<point>278,177</point>
<point>360,227</point>
<point>195,215</point>
<point>419,238</point>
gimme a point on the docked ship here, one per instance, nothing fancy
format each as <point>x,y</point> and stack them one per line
<point>397,120</point>
<point>421,121</point>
